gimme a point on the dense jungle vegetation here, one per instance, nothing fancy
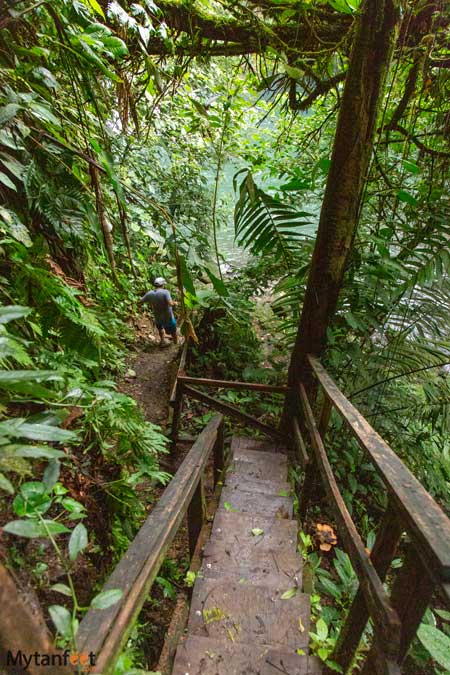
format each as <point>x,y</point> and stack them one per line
<point>133,137</point>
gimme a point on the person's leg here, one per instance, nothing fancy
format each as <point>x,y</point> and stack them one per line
<point>171,331</point>
<point>161,335</point>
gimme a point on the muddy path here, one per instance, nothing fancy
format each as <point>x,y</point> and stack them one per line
<point>151,371</point>
<point>149,377</point>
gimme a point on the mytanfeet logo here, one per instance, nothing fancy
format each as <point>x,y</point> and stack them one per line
<point>82,662</point>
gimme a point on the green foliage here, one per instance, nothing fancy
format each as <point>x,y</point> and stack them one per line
<point>265,224</point>
<point>107,420</point>
<point>111,160</point>
<point>228,341</point>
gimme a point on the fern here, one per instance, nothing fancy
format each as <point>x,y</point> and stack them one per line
<point>264,224</point>
<point>58,199</point>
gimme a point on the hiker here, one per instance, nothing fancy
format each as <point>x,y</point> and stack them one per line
<point>162,303</point>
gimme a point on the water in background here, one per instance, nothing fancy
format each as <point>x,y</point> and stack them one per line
<point>232,254</point>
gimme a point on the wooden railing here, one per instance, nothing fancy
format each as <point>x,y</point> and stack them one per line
<point>411,510</point>
<point>183,388</point>
<point>105,632</point>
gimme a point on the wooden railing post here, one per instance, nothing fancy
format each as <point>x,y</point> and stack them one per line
<point>411,594</point>
<point>177,410</point>
<point>381,556</point>
<point>219,462</point>
<point>325,415</point>
<point>312,483</point>
<point>307,491</point>
<point>196,515</point>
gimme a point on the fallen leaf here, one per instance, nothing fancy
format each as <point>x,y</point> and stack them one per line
<point>325,536</point>
<point>325,547</point>
<point>287,595</point>
<point>256,532</point>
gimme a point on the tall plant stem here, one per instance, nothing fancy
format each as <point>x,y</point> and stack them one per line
<point>125,233</point>
<point>216,189</point>
<point>107,237</point>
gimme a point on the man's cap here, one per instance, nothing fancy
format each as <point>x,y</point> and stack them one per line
<point>159,281</point>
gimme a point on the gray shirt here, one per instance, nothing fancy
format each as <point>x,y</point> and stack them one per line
<point>160,300</point>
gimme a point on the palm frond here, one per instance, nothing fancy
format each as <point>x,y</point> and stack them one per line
<point>264,224</point>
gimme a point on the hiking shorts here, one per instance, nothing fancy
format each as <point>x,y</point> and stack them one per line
<point>170,326</point>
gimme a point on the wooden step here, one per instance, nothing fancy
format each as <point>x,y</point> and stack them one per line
<point>260,465</point>
<point>243,443</point>
<point>254,502</point>
<point>270,458</point>
<point>268,487</point>
<point>234,612</point>
<point>279,569</point>
<point>203,656</point>
<point>235,530</point>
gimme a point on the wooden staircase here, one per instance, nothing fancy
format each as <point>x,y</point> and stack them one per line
<point>239,623</point>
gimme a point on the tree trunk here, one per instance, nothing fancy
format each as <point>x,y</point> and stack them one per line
<point>22,629</point>
<point>353,144</point>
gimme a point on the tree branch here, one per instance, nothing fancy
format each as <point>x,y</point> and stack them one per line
<point>322,88</point>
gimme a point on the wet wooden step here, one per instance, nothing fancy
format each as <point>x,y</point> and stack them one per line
<point>203,656</point>
<point>269,487</point>
<point>269,458</point>
<point>243,501</point>
<point>279,569</point>
<point>243,443</point>
<point>260,465</point>
<point>235,530</point>
<point>233,612</point>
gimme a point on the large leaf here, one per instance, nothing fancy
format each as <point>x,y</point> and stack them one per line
<point>34,451</point>
<point>15,376</point>
<point>78,541</point>
<point>36,432</point>
<point>34,528</point>
<point>62,619</point>
<point>266,225</point>
<point>106,598</point>
<point>6,180</point>
<point>8,111</point>
<point>10,312</point>
<point>437,643</point>
<point>93,4</point>
<point>51,474</point>
<point>6,485</point>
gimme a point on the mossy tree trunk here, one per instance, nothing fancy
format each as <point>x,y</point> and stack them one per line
<point>353,144</point>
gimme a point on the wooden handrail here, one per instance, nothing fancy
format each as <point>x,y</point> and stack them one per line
<point>104,632</point>
<point>386,621</point>
<point>427,563</point>
<point>425,520</point>
<point>230,384</point>
<point>231,411</point>
<point>180,371</point>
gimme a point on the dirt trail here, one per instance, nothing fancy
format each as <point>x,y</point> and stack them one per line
<point>151,372</point>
